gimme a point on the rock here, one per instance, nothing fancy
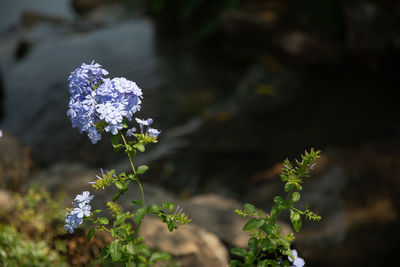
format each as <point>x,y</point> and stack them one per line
<point>189,246</point>
<point>83,6</point>
<point>7,202</point>
<point>11,11</point>
<point>15,163</point>
<point>216,214</point>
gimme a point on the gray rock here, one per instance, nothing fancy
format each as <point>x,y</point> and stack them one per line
<point>217,214</point>
<point>190,246</point>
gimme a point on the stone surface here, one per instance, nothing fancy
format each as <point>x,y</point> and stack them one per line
<point>15,163</point>
<point>190,246</point>
<point>216,214</point>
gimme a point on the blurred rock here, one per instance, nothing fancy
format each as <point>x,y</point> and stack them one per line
<point>217,214</point>
<point>15,163</point>
<point>83,6</point>
<point>12,11</point>
<point>7,202</point>
<point>190,246</point>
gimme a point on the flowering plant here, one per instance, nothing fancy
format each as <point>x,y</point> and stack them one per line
<point>267,247</point>
<point>97,106</point>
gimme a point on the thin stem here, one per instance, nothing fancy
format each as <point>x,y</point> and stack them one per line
<point>137,181</point>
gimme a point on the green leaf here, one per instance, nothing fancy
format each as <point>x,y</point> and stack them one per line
<point>295,218</point>
<point>253,242</point>
<point>139,215</point>
<point>159,256</point>
<point>239,251</point>
<point>103,220</point>
<point>142,169</point>
<point>90,234</point>
<point>130,248</point>
<point>265,244</point>
<point>115,251</point>
<point>295,196</point>
<point>139,146</point>
<point>251,224</point>
<point>234,263</point>
<point>119,185</point>
<point>153,208</point>
<point>143,249</point>
<point>249,208</point>
<point>137,203</point>
<point>168,206</point>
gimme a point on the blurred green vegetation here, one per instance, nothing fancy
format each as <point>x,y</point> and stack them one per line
<point>31,230</point>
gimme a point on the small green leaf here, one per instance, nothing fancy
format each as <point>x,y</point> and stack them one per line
<point>115,251</point>
<point>265,244</point>
<point>130,248</point>
<point>103,220</point>
<point>159,256</point>
<point>139,146</point>
<point>234,263</point>
<point>143,249</point>
<point>119,185</point>
<point>139,215</point>
<point>251,224</point>
<point>90,234</point>
<point>142,169</point>
<point>295,218</point>
<point>137,203</point>
<point>239,251</point>
<point>249,208</point>
<point>153,208</point>
<point>253,242</point>
<point>295,196</point>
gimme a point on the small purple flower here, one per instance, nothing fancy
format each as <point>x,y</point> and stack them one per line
<point>85,197</point>
<point>131,131</point>
<point>297,262</point>
<point>153,132</point>
<point>82,210</point>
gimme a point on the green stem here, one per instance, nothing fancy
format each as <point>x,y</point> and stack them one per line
<point>137,181</point>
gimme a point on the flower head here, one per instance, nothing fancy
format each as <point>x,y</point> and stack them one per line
<point>98,103</point>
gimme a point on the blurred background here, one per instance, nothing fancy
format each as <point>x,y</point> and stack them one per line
<point>236,86</point>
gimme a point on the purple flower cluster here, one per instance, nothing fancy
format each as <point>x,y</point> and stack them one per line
<point>97,103</point>
<point>81,209</point>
